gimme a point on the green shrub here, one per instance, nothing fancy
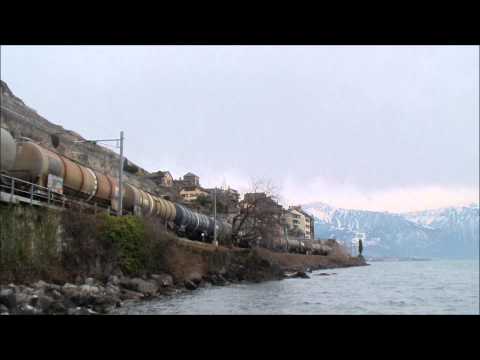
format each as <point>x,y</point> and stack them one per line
<point>97,245</point>
<point>126,235</point>
<point>203,200</point>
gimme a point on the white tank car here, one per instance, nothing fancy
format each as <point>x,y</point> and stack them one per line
<point>8,150</point>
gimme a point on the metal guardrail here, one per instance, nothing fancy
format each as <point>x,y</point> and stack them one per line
<point>14,190</point>
<point>15,186</point>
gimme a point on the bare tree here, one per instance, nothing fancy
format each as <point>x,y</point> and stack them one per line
<point>260,221</point>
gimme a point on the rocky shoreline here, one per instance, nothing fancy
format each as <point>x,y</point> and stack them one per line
<point>89,296</point>
<point>86,297</point>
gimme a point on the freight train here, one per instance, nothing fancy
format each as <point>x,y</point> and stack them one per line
<point>307,247</point>
<point>29,161</point>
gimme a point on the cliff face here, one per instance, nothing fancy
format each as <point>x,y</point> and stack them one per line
<point>23,121</point>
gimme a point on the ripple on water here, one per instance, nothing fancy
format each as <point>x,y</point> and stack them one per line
<point>381,288</point>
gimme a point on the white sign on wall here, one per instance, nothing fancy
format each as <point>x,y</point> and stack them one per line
<point>114,200</point>
<point>55,183</point>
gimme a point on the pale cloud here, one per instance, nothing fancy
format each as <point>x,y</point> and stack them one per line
<point>398,199</point>
<point>293,191</point>
<point>369,127</point>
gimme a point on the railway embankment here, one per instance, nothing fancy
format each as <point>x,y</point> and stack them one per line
<point>65,262</point>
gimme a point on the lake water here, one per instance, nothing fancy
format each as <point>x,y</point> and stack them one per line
<point>409,287</point>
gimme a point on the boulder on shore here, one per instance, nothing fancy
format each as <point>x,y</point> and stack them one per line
<point>298,274</point>
<point>3,310</point>
<point>190,285</point>
<point>148,288</point>
<point>216,279</point>
<point>8,298</point>
<point>81,311</point>
<point>325,274</point>
<point>163,280</point>
<point>40,284</point>
<point>126,294</point>
<point>113,279</point>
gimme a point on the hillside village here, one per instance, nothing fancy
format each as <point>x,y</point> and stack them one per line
<point>292,222</point>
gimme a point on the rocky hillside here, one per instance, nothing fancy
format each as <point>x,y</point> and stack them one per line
<point>447,232</point>
<point>22,121</point>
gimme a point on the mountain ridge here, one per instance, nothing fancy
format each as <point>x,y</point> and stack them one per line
<point>443,232</point>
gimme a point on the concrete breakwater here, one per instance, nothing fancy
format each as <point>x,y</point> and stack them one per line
<point>208,266</point>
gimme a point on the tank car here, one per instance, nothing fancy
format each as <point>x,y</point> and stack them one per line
<point>35,163</point>
<point>194,224</point>
<point>8,151</point>
<point>319,249</point>
<point>296,246</point>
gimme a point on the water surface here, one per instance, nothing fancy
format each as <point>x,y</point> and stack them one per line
<point>407,287</point>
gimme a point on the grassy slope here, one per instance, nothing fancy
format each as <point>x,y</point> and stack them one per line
<point>193,259</point>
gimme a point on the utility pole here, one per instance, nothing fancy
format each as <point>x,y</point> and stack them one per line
<point>215,217</point>
<point>120,176</point>
<point>120,173</point>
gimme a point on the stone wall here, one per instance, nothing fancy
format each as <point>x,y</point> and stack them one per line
<point>30,240</point>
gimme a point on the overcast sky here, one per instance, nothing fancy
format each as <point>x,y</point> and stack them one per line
<point>380,128</point>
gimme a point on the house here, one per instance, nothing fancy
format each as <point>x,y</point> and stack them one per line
<point>300,222</point>
<point>162,178</point>
<point>191,193</point>
<point>261,201</point>
<point>295,222</point>
<point>250,198</point>
<point>309,224</point>
<point>229,198</point>
<point>260,220</point>
<point>229,193</point>
<point>233,195</point>
<point>191,179</point>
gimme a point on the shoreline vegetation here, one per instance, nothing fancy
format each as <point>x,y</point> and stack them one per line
<point>93,265</point>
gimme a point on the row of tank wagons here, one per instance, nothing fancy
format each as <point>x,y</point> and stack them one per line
<point>34,163</point>
<point>199,226</point>
<point>319,249</point>
<point>300,247</point>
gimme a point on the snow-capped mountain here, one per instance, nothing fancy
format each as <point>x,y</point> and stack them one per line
<point>445,217</point>
<point>447,232</point>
